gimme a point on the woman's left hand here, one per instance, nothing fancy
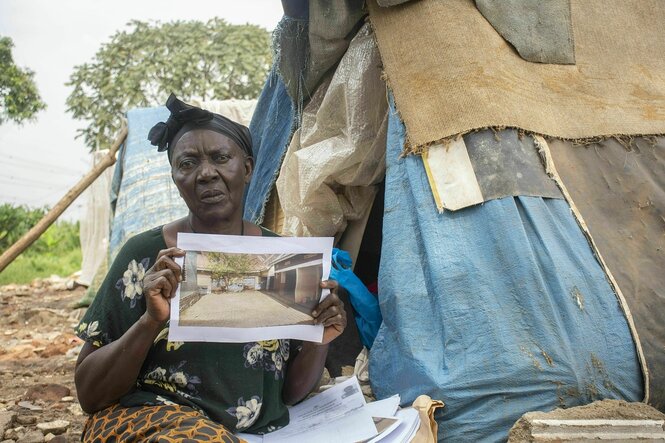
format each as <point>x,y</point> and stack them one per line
<point>330,313</point>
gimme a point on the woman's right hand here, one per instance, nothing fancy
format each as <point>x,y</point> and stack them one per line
<point>160,283</point>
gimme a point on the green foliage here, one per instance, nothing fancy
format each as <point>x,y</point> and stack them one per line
<point>56,251</point>
<point>19,98</point>
<point>16,221</point>
<point>144,64</point>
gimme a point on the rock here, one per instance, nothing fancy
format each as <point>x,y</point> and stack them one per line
<point>7,441</point>
<point>26,419</point>
<point>67,399</point>
<point>49,392</point>
<point>57,439</point>
<point>75,409</point>
<point>28,405</point>
<point>6,420</point>
<point>14,433</point>
<point>49,437</point>
<point>55,427</point>
<point>31,437</point>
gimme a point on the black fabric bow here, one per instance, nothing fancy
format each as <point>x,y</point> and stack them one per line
<point>163,133</point>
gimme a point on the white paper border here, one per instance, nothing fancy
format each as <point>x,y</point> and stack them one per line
<point>249,245</point>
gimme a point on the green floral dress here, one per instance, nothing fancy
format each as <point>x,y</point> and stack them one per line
<point>236,384</point>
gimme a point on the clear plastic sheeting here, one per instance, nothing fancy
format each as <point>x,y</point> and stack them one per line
<point>94,233</point>
<point>239,111</point>
<point>338,154</point>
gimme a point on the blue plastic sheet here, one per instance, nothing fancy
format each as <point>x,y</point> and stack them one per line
<point>271,128</point>
<point>142,192</point>
<point>365,304</point>
<point>498,309</point>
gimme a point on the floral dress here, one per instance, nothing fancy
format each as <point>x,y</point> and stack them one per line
<point>236,384</point>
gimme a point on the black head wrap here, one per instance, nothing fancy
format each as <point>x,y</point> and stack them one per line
<point>186,117</point>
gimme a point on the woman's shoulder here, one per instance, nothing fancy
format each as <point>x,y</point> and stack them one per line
<point>150,239</point>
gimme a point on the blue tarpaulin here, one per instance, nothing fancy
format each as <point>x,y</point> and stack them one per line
<point>142,192</point>
<point>271,128</point>
<point>497,309</point>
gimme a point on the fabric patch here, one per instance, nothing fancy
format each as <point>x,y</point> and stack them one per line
<point>486,165</point>
<point>540,31</point>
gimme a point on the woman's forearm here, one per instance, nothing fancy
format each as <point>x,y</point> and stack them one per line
<point>105,374</point>
<point>304,372</point>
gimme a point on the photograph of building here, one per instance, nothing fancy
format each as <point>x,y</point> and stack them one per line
<point>249,290</point>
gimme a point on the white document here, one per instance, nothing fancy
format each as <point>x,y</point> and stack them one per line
<point>384,408</point>
<point>385,425</point>
<point>410,422</point>
<point>246,288</point>
<point>336,415</point>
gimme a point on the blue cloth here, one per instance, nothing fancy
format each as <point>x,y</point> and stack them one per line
<point>271,128</point>
<point>142,192</point>
<point>365,304</point>
<point>497,309</point>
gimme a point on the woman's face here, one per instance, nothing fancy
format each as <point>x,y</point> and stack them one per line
<point>211,171</point>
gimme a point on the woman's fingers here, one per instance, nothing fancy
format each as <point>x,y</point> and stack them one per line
<point>171,252</point>
<point>331,310</point>
<point>167,262</point>
<point>327,313</point>
<point>164,282</point>
<point>330,300</point>
<point>336,320</point>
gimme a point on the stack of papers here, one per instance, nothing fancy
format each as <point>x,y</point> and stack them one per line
<point>341,415</point>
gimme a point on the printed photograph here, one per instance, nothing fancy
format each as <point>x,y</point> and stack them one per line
<point>244,290</point>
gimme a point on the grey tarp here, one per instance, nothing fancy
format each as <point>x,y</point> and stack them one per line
<point>540,31</point>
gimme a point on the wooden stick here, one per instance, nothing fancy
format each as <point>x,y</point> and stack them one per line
<point>33,234</point>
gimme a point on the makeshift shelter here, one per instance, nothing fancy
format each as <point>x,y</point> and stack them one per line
<point>509,208</point>
<point>509,279</point>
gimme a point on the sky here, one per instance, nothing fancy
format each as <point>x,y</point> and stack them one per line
<point>42,160</point>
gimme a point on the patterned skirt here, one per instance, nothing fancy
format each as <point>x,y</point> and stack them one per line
<point>155,424</point>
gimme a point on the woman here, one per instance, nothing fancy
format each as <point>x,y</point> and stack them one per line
<point>139,386</point>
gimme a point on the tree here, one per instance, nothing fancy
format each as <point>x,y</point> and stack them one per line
<point>19,98</point>
<point>141,66</point>
<point>225,267</point>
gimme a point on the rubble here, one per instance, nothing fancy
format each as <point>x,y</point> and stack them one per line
<point>38,351</point>
<point>6,420</point>
<point>55,427</point>
<point>31,437</point>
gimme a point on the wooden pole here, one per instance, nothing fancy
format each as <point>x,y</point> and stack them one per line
<point>33,234</point>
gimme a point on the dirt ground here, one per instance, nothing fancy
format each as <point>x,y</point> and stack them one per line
<point>38,350</point>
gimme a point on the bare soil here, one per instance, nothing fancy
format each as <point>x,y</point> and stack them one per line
<point>38,350</point>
